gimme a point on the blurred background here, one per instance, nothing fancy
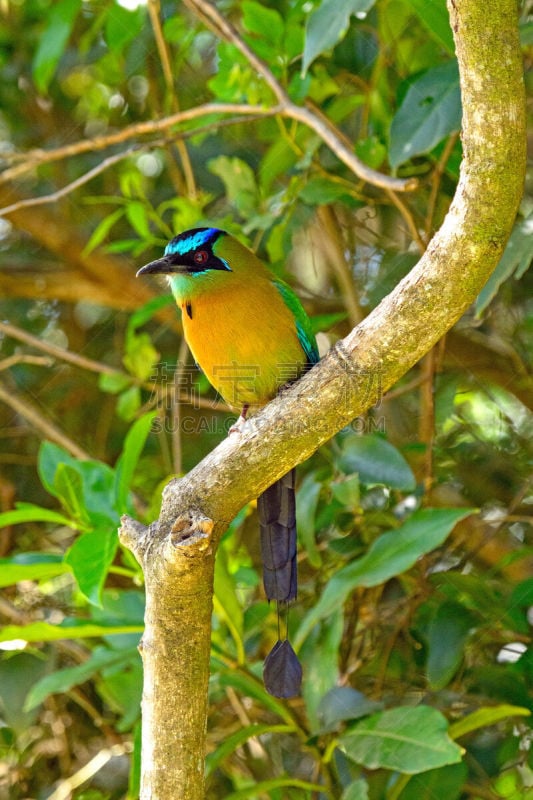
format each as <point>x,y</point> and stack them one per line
<point>100,403</point>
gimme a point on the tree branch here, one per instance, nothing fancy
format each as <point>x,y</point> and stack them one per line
<point>312,118</point>
<point>351,377</point>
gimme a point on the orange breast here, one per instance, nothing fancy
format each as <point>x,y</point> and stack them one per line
<point>245,341</point>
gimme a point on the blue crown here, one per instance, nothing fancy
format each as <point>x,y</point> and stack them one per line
<point>189,241</point>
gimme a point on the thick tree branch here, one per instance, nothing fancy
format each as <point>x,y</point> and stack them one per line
<point>353,374</point>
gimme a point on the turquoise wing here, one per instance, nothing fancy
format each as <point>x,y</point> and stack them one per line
<point>301,321</point>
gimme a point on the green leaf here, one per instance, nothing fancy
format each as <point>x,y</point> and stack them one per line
<point>30,567</point>
<point>319,657</point>
<point>68,629</point>
<point>136,213</point>
<point>28,512</point>
<point>376,461</point>
<point>50,456</point>
<point>253,688</point>
<point>328,24</point>
<point>447,634</point>
<point>18,675</point>
<point>516,259</point>
<point>267,26</point>
<point>263,788</point>
<point>140,355</point>
<point>347,491</point>
<point>446,782</point>
<point>390,554</point>
<point>357,790</point>
<point>121,607</point>
<point>526,33</point>
<point>226,603</point>
<point>128,403</point>
<point>122,26</point>
<point>484,717</point>
<point>53,41</point>
<point>65,679</point>
<point>433,14</point>
<point>68,486</point>
<point>404,739</point>
<point>431,110</point>
<point>146,312</point>
<point>134,783</point>
<point>239,181</point>
<point>101,230</point>
<point>121,688</point>
<point>230,743</point>
<point>323,322</point>
<point>85,487</point>
<point>90,557</point>
<point>343,703</point>
<point>129,458</point>
<point>372,151</point>
<point>321,191</point>
<point>113,384</point>
<point>307,501</point>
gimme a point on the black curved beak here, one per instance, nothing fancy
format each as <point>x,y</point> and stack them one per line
<point>162,266</point>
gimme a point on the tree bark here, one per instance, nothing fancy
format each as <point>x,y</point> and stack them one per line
<point>349,379</point>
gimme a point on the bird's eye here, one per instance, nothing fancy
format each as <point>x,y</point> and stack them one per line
<point>200,257</point>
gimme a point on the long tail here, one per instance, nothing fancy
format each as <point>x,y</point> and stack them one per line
<point>282,673</point>
<point>277,520</point>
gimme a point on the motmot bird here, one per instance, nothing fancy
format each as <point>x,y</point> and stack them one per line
<point>250,335</point>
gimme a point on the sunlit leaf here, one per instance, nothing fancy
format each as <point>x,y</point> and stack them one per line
<point>68,485</point>
<point>30,567</point>
<point>90,557</point>
<point>136,213</point>
<point>53,40</point>
<point>140,355</point>
<point>239,181</point>
<point>405,739</point>
<point>266,25</point>
<point>128,403</point>
<point>68,629</point>
<point>129,458</point>
<point>122,26</point>
<point>27,512</point>
<point>50,456</point>
<point>484,717</point>
<point>102,229</point>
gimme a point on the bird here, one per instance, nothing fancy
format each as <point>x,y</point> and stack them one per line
<point>250,335</point>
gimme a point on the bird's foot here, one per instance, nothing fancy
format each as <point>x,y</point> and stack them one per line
<point>238,425</point>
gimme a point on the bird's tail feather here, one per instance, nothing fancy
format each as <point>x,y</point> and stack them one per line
<point>277,520</point>
<point>282,673</point>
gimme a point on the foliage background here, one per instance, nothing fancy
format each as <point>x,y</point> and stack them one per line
<point>412,629</point>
